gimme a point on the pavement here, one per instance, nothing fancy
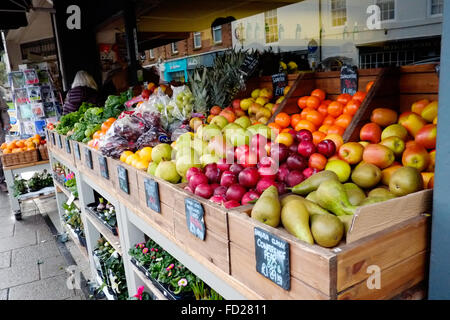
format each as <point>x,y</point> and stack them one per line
<point>33,261</point>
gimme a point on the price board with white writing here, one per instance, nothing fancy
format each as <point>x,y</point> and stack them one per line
<point>102,161</point>
<point>122,176</point>
<point>152,195</point>
<point>195,218</point>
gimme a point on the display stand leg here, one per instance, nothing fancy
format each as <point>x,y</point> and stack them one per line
<point>15,205</point>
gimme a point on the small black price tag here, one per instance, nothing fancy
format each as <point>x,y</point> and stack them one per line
<point>279,82</point>
<point>272,258</point>
<point>194,218</point>
<point>123,179</point>
<point>103,167</point>
<point>77,150</point>
<point>68,148</point>
<point>88,158</point>
<point>59,142</point>
<point>249,66</point>
<point>53,139</point>
<point>349,79</point>
<point>152,195</point>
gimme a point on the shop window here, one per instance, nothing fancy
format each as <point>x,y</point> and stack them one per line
<point>387,8</point>
<point>217,34</point>
<point>152,54</point>
<point>437,7</point>
<point>43,48</point>
<point>174,48</point>
<point>271,26</point>
<point>338,13</point>
<point>197,40</point>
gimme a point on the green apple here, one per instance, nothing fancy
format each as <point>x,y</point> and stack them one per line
<point>341,168</point>
<point>396,144</point>
<point>219,121</point>
<point>243,121</point>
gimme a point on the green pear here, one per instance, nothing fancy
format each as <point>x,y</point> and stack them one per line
<point>347,221</point>
<point>373,200</point>
<point>312,183</point>
<point>295,219</point>
<point>152,168</point>
<point>243,121</point>
<point>208,159</point>
<point>331,196</point>
<point>167,170</point>
<point>310,206</point>
<point>210,131</point>
<point>187,161</point>
<point>312,197</point>
<point>366,175</point>
<point>327,230</point>
<point>354,193</point>
<point>162,152</point>
<point>381,192</point>
<point>219,121</point>
<point>405,180</point>
<point>268,209</point>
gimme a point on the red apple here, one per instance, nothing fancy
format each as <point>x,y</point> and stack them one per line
<point>304,135</point>
<point>351,152</point>
<point>294,178</point>
<point>378,155</point>
<point>308,172</point>
<point>306,148</point>
<point>213,173</point>
<point>267,172</point>
<point>248,160</point>
<point>370,132</point>
<point>249,177</point>
<point>249,196</point>
<point>223,165</point>
<point>204,191</point>
<point>218,199</point>
<point>197,179</point>
<point>236,192</point>
<point>326,148</point>
<point>241,150</point>
<point>220,191</point>
<point>191,172</point>
<point>236,168</point>
<point>263,184</point>
<point>228,178</point>
<point>412,122</point>
<point>281,186</point>
<point>283,173</point>
<point>236,104</point>
<point>426,136</point>
<point>417,157</point>
<point>279,152</point>
<point>232,204</point>
<point>297,162</point>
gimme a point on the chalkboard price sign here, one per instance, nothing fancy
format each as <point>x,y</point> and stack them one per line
<point>272,258</point>
<point>152,195</point>
<point>53,139</point>
<point>249,66</point>
<point>68,149</point>
<point>88,158</point>
<point>123,179</point>
<point>103,167</point>
<point>59,142</point>
<point>279,82</point>
<point>77,151</point>
<point>349,79</point>
<point>194,218</point>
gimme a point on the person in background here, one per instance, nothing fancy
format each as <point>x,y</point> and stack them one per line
<point>5,126</point>
<point>84,89</point>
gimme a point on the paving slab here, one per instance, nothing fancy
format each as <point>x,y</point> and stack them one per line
<point>6,231</point>
<point>5,259</point>
<point>19,241</point>
<point>19,274</point>
<point>54,288</point>
<point>34,253</point>
<point>4,294</point>
<point>53,266</point>
<point>7,219</point>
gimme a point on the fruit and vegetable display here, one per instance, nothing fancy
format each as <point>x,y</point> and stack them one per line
<point>170,274</point>
<point>17,146</point>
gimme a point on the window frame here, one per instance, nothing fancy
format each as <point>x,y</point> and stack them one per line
<point>331,15</point>
<point>174,50</point>
<point>193,36</point>
<point>214,34</point>
<point>151,54</point>
<point>430,7</point>
<point>277,33</point>
<point>381,11</point>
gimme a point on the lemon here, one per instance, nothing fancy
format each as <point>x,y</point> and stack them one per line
<point>146,154</point>
<point>125,155</point>
<point>131,159</point>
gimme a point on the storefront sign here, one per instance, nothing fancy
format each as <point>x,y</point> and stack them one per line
<point>103,167</point>
<point>349,79</point>
<point>279,82</point>
<point>272,258</point>
<point>88,158</point>
<point>194,218</point>
<point>123,179</point>
<point>152,195</point>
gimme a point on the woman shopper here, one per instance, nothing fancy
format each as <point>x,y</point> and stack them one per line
<point>84,89</point>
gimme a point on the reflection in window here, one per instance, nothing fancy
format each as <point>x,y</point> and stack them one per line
<point>338,13</point>
<point>217,34</point>
<point>437,7</point>
<point>271,25</point>
<point>387,8</point>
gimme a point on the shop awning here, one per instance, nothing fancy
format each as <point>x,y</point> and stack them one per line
<point>13,13</point>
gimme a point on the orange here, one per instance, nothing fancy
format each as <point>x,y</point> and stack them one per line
<point>319,94</point>
<point>283,120</point>
<point>344,98</point>
<point>317,161</point>
<point>29,148</point>
<point>229,115</point>
<point>288,129</point>
<point>313,102</point>
<point>305,113</point>
<point>343,120</point>
<point>275,127</point>
<point>315,117</point>
<point>29,144</point>
<point>369,86</point>
<point>36,141</point>
<point>305,124</point>
<point>334,129</point>
<point>327,102</point>
<point>302,102</point>
<point>125,155</point>
<point>141,164</point>
<point>359,96</point>
<point>337,139</point>
<point>335,109</point>
<point>285,138</point>
<point>352,107</point>
<point>4,146</point>
<point>6,151</point>
<point>323,109</point>
<point>318,136</point>
<point>329,120</point>
<point>12,145</point>
<point>16,150</point>
<point>295,118</point>
<point>96,135</point>
<point>20,144</point>
<point>324,128</point>
<point>37,136</point>
<point>90,143</point>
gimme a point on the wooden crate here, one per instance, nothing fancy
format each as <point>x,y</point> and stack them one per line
<point>132,197</point>
<point>264,82</point>
<point>215,247</point>
<point>95,169</point>
<point>397,89</point>
<point>401,253</point>
<point>166,190</point>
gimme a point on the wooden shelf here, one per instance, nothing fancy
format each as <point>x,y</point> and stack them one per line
<point>107,234</point>
<point>26,165</point>
<point>74,238</point>
<point>156,292</point>
<point>64,190</point>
